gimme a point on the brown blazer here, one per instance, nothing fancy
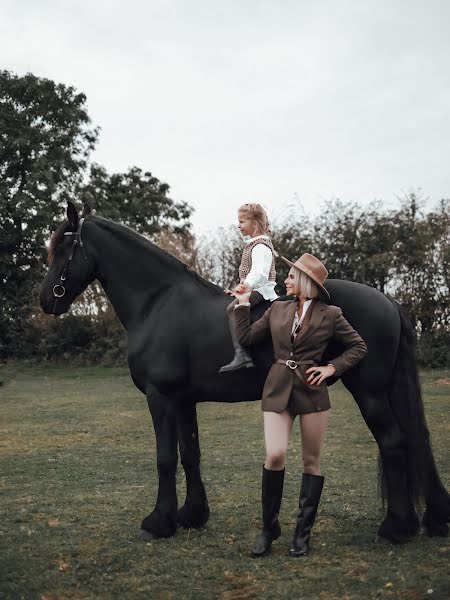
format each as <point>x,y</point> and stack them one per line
<point>323,323</point>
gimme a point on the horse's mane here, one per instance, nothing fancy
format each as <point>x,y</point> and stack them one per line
<point>170,259</point>
<point>212,288</point>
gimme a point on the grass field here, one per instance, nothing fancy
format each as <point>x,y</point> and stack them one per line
<point>78,473</point>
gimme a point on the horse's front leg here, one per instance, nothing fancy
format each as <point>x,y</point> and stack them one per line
<point>162,522</point>
<point>195,511</point>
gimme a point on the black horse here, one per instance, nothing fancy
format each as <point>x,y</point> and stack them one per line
<point>178,338</point>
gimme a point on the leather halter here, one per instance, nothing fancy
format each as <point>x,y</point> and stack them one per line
<point>59,290</point>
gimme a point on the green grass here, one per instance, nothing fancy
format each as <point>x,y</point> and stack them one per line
<point>78,473</point>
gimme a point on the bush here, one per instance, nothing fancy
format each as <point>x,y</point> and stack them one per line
<point>80,339</point>
<point>433,350</point>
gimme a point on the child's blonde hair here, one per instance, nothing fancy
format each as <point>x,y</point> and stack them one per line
<point>256,213</point>
<point>304,285</point>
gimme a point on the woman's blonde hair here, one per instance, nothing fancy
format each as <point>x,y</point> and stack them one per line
<point>257,213</point>
<point>304,286</point>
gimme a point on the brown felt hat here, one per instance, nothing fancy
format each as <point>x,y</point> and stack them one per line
<point>312,266</point>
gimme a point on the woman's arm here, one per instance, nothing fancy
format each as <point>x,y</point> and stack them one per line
<point>247,334</point>
<point>355,346</point>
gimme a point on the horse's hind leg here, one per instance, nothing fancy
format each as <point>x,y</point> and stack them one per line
<point>162,522</point>
<point>195,511</point>
<point>437,501</point>
<point>401,521</point>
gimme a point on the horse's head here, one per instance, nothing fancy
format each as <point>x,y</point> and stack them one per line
<point>71,268</point>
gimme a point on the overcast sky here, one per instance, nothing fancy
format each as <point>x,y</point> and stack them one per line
<point>271,101</point>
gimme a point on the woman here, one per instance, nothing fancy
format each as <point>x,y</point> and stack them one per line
<point>295,385</point>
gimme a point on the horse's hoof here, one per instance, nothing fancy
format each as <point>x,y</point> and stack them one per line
<point>189,516</point>
<point>146,536</point>
<point>434,530</point>
<point>382,541</point>
<point>157,525</point>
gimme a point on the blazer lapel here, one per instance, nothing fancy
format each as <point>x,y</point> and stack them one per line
<point>317,314</point>
<point>286,321</point>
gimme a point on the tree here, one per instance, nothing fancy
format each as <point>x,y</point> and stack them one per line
<point>377,237</point>
<point>181,245</point>
<point>219,256</point>
<point>45,140</point>
<point>291,239</point>
<point>136,199</point>
<point>337,238</point>
<point>46,137</point>
<point>421,255</point>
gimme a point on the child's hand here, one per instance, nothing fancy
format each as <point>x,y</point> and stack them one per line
<point>242,288</point>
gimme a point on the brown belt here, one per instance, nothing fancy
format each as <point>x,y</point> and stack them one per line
<point>293,364</point>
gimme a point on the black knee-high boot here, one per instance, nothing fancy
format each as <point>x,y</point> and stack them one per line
<point>310,492</point>
<point>241,357</point>
<point>272,492</point>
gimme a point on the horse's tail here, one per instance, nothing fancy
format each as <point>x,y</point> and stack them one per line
<point>406,401</point>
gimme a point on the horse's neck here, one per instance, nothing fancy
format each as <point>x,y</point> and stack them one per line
<point>132,271</point>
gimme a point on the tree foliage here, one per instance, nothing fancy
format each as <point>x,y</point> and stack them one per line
<point>219,256</point>
<point>403,251</point>
<point>136,199</point>
<point>46,137</point>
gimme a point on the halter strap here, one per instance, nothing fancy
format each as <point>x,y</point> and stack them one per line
<point>59,290</point>
<point>77,240</point>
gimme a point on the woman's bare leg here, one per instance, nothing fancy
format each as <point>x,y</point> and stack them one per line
<point>277,430</point>
<point>313,427</point>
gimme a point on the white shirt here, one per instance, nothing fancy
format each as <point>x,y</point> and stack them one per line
<point>258,277</point>
<point>299,320</point>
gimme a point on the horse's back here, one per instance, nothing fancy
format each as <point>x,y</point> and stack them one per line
<point>194,341</point>
<point>376,319</point>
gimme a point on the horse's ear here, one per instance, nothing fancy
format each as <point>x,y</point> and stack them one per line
<point>86,210</point>
<point>72,215</point>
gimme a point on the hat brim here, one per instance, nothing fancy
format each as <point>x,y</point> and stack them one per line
<point>310,274</point>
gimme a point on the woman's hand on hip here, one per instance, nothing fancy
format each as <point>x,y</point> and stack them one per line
<point>319,374</point>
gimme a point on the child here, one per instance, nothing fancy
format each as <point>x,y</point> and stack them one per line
<point>256,273</point>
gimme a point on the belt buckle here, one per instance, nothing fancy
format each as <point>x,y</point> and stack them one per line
<point>291,364</point>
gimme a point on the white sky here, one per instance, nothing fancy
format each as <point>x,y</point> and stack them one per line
<point>271,101</point>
